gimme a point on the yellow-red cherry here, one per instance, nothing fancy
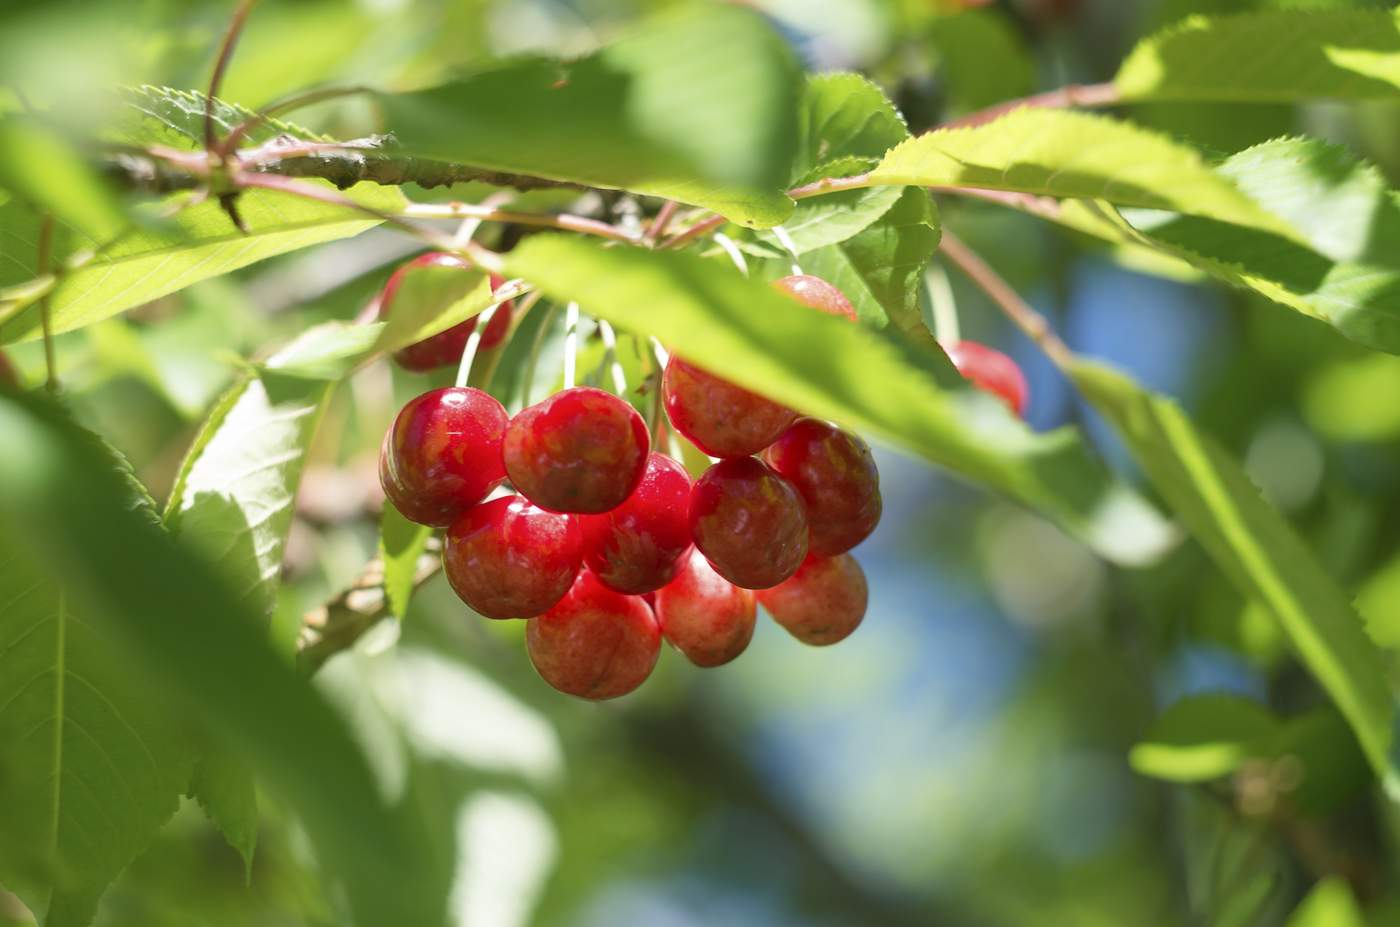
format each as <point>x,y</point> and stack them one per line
<point>822,603</point>
<point>509,559</point>
<point>836,475</point>
<point>817,293</point>
<point>720,418</point>
<point>442,455</point>
<point>596,643</point>
<point>704,615</point>
<point>581,450</point>
<point>637,547</point>
<point>991,371</point>
<point>749,521</point>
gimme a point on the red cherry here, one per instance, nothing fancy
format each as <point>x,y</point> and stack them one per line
<point>442,455</point>
<point>704,615</point>
<point>499,326</point>
<point>637,547</point>
<point>721,419</point>
<point>508,559</point>
<point>441,349</point>
<point>822,603</point>
<point>749,522</point>
<point>836,475</point>
<point>580,450</point>
<point>991,371</point>
<point>817,293</point>
<point>596,643</point>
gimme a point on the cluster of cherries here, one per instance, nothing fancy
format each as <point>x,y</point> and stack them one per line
<point>605,546</point>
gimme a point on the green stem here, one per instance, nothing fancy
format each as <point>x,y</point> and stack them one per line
<point>45,259</point>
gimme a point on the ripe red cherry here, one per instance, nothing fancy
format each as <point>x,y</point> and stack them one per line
<point>637,547</point>
<point>822,603</point>
<point>749,522</point>
<point>704,615</point>
<point>596,643</point>
<point>835,473</point>
<point>817,293</point>
<point>442,455</point>
<point>509,559</point>
<point>991,371</point>
<point>721,419</point>
<point>446,346</point>
<point>580,450</point>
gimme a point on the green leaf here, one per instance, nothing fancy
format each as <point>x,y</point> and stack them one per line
<point>881,268</point>
<point>127,577</point>
<point>198,243</point>
<point>844,115</point>
<point>983,57</point>
<point>698,106</point>
<point>430,300</point>
<point>1329,904</point>
<point>401,543</point>
<point>1280,55</point>
<point>224,787</point>
<point>1258,550</point>
<point>1077,155</point>
<point>831,218</point>
<point>901,392</point>
<point>1204,737</point>
<point>40,166</point>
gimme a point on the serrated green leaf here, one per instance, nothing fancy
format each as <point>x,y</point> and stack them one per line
<point>844,116</point>
<point>224,787</point>
<point>983,57</point>
<point>904,393</point>
<point>1258,550</point>
<point>1330,904</point>
<point>1075,155</point>
<point>1278,55</point>
<point>401,543</point>
<point>652,113</point>
<point>1204,737</point>
<point>134,583</point>
<point>430,300</point>
<point>833,217</point>
<point>198,243</point>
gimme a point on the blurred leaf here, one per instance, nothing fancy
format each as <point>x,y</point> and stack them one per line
<point>1339,400</point>
<point>1070,154</point>
<point>655,113</point>
<point>401,543</point>
<point>41,167</point>
<point>983,58</point>
<point>1379,603</point>
<point>224,787</point>
<point>175,118</point>
<point>1274,55</point>
<point>124,571</point>
<point>1257,550</point>
<point>1329,904</point>
<point>430,300</point>
<point>1204,737</point>
<point>831,218</point>
<point>198,243</point>
<point>904,393</point>
<point>1333,767</point>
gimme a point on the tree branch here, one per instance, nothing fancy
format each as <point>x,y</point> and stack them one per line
<point>1074,95</point>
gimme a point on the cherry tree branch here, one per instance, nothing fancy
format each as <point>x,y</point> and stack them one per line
<point>1073,95</point>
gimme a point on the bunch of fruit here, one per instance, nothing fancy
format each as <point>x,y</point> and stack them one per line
<point>606,546</point>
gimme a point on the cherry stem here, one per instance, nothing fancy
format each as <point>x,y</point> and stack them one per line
<point>619,376</point>
<point>1073,95</point>
<point>731,249</point>
<point>1035,325</point>
<point>286,104</point>
<point>789,245</point>
<point>313,192</point>
<point>487,213</point>
<point>487,371</point>
<point>45,259</point>
<point>235,29</point>
<point>503,294</point>
<point>570,344</point>
<point>663,219</point>
<point>533,361</point>
<point>945,306</point>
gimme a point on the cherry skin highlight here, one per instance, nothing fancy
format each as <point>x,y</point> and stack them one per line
<point>442,455</point>
<point>580,450</point>
<point>991,371</point>
<point>720,418</point>
<point>750,522</point>
<point>822,603</point>
<point>817,293</point>
<point>835,473</point>
<point>509,559</point>
<point>596,643</point>
<point>441,349</point>
<point>704,615</point>
<point>637,547</point>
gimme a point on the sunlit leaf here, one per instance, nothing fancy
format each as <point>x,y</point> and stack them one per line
<point>1204,737</point>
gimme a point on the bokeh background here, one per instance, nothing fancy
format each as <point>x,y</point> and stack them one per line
<point>961,760</point>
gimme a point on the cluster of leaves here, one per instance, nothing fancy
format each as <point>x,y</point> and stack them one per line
<point>97,758</point>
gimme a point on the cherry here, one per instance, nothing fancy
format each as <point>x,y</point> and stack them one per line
<point>750,523</point>
<point>499,326</point>
<point>704,615</point>
<point>442,455</point>
<point>822,603</point>
<point>720,418</point>
<point>596,643</point>
<point>817,293</point>
<point>509,559</point>
<point>835,473</point>
<point>637,547</point>
<point>580,450</point>
<point>991,371</point>
<point>446,346</point>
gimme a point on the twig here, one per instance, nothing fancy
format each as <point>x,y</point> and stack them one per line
<point>663,219</point>
<point>1074,95</point>
<point>1035,325</point>
<point>486,213</point>
<point>235,29</point>
<point>43,265</point>
<point>694,232</point>
<point>285,104</point>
